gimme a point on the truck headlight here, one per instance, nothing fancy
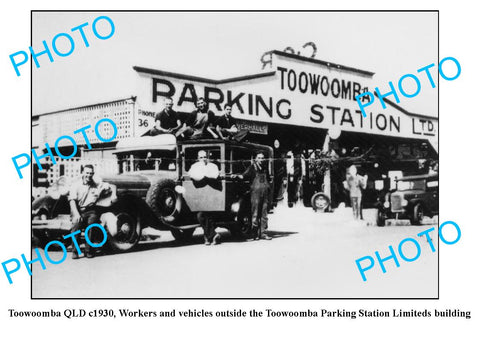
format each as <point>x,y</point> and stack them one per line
<point>235,207</point>
<point>180,190</point>
<point>404,202</point>
<point>386,204</point>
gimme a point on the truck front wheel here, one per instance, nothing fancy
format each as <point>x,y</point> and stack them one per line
<point>124,230</point>
<point>417,214</point>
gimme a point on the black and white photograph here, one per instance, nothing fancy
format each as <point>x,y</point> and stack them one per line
<point>235,154</point>
<point>239,170</point>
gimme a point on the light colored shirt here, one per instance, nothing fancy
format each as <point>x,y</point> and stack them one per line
<point>200,170</point>
<point>87,195</point>
<point>355,184</point>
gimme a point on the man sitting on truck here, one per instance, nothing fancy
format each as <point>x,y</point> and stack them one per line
<point>226,126</point>
<point>199,124</point>
<point>166,121</point>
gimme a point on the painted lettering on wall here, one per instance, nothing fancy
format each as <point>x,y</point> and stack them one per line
<point>317,84</point>
<point>332,104</point>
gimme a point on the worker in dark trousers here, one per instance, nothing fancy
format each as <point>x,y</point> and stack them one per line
<point>294,171</point>
<point>280,171</point>
<point>259,178</point>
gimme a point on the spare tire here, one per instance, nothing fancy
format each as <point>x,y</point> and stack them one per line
<point>164,201</point>
<point>320,202</point>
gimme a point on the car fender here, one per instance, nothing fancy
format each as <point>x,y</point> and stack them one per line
<point>413,202</point>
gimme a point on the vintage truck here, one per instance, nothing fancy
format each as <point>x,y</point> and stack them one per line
<point>414,198</point>
<point>155,190</point>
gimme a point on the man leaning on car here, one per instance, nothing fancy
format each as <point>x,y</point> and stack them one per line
<point>84,196</point>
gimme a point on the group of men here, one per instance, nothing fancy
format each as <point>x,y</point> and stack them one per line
<point>86,193</point>
<point>201,123</point>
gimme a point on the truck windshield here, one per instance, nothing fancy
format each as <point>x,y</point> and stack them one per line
<point>239,160</point>
<point>147,160</point>
<point>411,185</point>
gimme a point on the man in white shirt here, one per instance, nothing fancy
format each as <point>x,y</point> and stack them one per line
<point>200,171</point>
<point>84,196</point>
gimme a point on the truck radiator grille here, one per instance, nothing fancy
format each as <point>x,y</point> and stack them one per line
<point>396,203</point>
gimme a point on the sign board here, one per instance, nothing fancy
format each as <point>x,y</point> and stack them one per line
<point>297,93</point>
<point>254,127</point>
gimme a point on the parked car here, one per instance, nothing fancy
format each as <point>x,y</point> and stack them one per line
<point>155,190</point>
<point>414,198</point>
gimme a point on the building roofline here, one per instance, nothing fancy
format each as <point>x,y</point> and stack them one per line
<point>85,106</point>
<point>324,63</point>
<point>401,109</point>
<point>202,79</point>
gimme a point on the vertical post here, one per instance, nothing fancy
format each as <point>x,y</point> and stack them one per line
<point>132,163</point>
<point>326,176</point>
<point>134,125</point>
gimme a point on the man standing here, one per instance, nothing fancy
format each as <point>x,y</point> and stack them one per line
<point>84,196</point>
<point>294,172</point>
<point>203,171</point>
<point>259,178</point>
<point>354,184</point>
<point>226,126</point>
<point>199,122</point>
<point>166,121</point>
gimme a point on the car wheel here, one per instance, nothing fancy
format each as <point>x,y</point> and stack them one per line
<point>380,218</point>
<point>417,215</point>
<point>164,201</point>
<point>182,234</point>
<point>41,238</point>
<point>320,202</point>
<point>243,227</point>
<point>124,230</point>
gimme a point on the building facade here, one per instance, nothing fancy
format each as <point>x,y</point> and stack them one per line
<point>296,104</point>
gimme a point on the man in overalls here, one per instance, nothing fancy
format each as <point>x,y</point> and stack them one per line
<point>259,178</point>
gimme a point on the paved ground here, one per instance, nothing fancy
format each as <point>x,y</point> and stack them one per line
<point>312,255</point>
